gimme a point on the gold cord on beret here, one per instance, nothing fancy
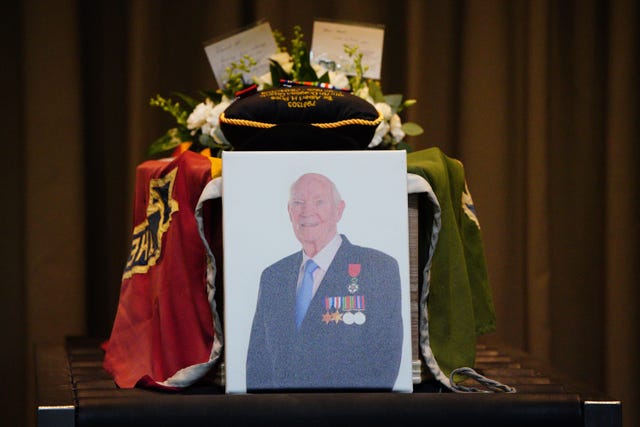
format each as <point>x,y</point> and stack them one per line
<point>330,125</point>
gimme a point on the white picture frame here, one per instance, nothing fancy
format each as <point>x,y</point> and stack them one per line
<point>257,232</point>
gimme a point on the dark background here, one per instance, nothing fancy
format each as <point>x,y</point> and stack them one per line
<point>538,99</point>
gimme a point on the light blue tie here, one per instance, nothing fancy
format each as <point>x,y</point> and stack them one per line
<point>305,293</point>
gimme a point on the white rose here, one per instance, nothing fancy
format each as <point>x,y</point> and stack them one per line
<point>339,80</point>
<point>214,117</point>
<point>199,115</point>
<point>396,131</point>
<point>381,131</point>
<point>384,109</point>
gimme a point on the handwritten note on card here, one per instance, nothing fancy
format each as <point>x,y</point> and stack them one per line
<point>329,38</point>
<point>257,42</point>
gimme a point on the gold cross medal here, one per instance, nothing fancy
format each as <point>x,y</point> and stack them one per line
<point>354,272</point>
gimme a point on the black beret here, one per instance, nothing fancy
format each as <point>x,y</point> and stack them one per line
<point>299,118</point>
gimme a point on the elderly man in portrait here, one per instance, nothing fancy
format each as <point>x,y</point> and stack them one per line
<point>329,315</point>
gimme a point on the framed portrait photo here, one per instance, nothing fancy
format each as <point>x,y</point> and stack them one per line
<point>316,271</point>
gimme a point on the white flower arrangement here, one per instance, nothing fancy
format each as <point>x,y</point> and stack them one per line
<point>197,124</point>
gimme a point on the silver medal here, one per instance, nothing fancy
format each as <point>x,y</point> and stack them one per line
<point>348,318</point>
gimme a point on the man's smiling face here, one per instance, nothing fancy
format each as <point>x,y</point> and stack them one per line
<point>314,209</point>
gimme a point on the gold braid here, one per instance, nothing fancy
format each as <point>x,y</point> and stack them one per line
<point>332,125</point>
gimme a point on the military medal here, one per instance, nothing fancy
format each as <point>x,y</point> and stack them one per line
<point>332,306</point>
<point>354,272</point>
<point>336,316</point>
<point>359,318</point>
<point>326,317</point>
<point>348,318</point>
<point>348,309</point>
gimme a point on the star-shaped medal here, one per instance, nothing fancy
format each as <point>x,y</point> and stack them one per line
<point>336,316</point>
<point>327,317</point>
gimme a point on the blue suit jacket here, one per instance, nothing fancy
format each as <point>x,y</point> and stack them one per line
<point>327,353</point>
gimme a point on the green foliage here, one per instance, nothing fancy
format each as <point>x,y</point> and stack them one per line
<point>394,101</point>
<point>296,56</point>
<point>280,40</point>
<point>167,142</point>
<point>412,129</point>
<point>403,145</point>
<point>301,69</point>
<point>277,72</point>
<point>375,91</point>
<point>234,72</point>
<point>357,80</point>
<point>174,108</point>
